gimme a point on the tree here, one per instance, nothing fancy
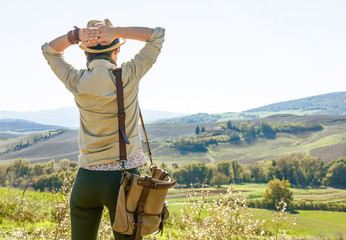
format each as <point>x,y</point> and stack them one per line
<point>64,164</point>
<point>257,173</point>
<point>248,130</point>
<point>276,191</point>
<point>237,170</point>
<point>197,131</point>
<point>219,179</point>
<point>21,167</point>
<point>202,129</point>
<point>193,173</point>
<point>267,130</point>
<point>229,124</point>
<point>175,166</point>
<point>336,173</point>
<point>224,167</point>
<point>313,169</point>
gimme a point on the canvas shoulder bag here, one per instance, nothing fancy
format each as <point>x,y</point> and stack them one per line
<point>141,208</point>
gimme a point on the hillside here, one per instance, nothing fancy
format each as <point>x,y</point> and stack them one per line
<point>328,144</point>
<point>20,125</point>
<point>64,145</point>
<point>326,104</point>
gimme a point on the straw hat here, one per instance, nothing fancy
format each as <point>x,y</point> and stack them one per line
<point>100,48</point>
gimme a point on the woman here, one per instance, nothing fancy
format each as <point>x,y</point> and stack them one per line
<point>98,178</point>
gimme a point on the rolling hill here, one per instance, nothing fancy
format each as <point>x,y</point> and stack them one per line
<point>328,144</point>
<point>326,104</point>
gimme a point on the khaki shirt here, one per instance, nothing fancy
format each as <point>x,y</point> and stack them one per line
<point>95,95</point>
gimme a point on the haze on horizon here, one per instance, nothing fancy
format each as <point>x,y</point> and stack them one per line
<point>219,56</point>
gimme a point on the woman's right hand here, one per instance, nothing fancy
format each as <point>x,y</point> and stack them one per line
<point>105,35</point>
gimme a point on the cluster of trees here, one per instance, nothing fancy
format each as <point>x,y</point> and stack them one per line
<point>298,169</point>
<point>199,130</point>
<point>40,176</point>
<point>242,132</point>
<point>249,131</point>
<point>186,144</point>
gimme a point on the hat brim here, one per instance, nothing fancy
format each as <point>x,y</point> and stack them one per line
<point>85,48</point>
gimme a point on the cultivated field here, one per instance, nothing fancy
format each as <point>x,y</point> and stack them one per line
<point>328,144</point>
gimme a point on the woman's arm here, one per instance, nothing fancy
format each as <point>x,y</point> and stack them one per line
<point>60,43</point>
<point>85,35</point>
<point>106,34</point>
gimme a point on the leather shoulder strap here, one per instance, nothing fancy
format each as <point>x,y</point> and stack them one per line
<point>121,119</point>
<point>121,114</point>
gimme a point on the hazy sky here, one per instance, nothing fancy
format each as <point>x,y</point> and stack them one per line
<point>219,56</point>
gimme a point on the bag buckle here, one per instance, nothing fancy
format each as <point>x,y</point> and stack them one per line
<point>121,115</point>
<point>122,163</point>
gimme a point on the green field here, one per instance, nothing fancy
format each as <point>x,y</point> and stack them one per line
<point>323,194</point>
<point>310,224</point>
<point>36,210</point>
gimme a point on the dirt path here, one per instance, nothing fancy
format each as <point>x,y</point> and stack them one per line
<point>212,160</point>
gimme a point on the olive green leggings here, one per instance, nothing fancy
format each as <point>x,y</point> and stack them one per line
<point>92,190</point>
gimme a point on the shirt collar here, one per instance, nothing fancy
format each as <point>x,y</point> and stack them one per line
<point>101,63</point>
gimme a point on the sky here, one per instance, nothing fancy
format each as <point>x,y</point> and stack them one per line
<point>218,56</point>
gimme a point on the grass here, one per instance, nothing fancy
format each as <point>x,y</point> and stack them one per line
<point>309,223</point>
<point>254,190</point>
<point>312,223</point>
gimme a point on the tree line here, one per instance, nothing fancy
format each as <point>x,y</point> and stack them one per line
<point>40,176</point>
<point>298,169</point>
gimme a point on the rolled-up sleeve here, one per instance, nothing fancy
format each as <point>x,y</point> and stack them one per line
<point>63,70</point>
<point>144,60</point>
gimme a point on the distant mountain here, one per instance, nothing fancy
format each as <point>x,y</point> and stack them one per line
<point>19,125</point>
<point>69,116</point>
<point>328,104</point>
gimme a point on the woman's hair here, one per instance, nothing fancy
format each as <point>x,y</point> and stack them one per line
<point>103,55</point>
<point>92,56</point>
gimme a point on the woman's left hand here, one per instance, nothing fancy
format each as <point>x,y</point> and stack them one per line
<point>89,36</point>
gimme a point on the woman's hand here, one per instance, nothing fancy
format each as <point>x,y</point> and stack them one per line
<point>105,35</point>
<point>88,36</point>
